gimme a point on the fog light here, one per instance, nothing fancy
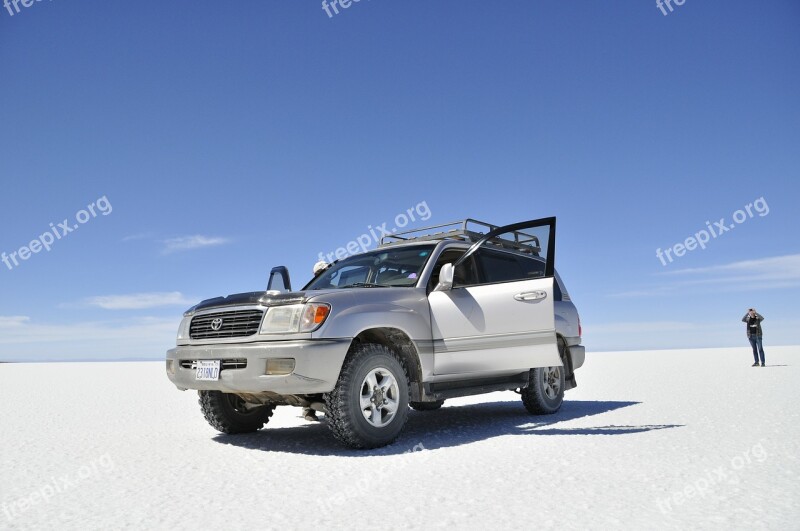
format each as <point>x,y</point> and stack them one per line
<point>170,367</point>
<point>277,366</point>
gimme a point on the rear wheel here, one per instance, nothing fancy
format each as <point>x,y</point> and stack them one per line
<point>545,393</point>
<point>228,413</point>
<point>369,405</point>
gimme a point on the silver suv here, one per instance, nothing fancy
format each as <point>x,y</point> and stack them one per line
<point>446,311</point>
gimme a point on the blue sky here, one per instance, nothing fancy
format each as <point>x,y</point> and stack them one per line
<point>230,137</point>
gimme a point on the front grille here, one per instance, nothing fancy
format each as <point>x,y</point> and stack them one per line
<point>238,323</point>
<point>239,363</point>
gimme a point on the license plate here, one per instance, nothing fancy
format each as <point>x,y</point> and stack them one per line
<point>207,370</point>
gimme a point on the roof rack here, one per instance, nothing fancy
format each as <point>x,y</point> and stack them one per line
<point>467,230</point>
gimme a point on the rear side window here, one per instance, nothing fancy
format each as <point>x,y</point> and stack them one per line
<point>531,267</point>
<point>498,266</point>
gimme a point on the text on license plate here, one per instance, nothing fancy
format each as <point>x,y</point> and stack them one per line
<point>207,370</point>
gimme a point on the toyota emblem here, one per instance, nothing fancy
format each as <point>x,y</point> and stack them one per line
<point>216,324</point>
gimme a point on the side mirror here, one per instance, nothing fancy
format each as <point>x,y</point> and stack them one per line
<point>279,280</point>
<point>445,278</point>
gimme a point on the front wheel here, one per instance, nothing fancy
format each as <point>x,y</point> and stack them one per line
<point>369,405</point>
<point>228,413</point>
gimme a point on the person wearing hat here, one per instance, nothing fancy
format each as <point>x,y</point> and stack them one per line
<point>754,333</point>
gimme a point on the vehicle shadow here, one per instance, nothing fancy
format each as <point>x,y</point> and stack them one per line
<point>447,427</point>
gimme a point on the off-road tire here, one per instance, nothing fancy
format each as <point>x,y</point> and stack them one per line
<point>426,406</point>
<point>545,393</point>
<point>352,397</point>
<point>226,413</point>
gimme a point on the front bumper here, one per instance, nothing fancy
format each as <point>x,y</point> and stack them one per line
<point>317,366</point>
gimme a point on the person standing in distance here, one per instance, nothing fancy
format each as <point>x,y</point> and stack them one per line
<point>754,333</point>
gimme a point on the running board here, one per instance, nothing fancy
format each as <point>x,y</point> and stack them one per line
<point>454,389</point>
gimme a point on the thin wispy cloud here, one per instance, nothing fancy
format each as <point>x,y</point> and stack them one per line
<point>188,243</point>
<point>29,331</point>
<point>647,327</point>
<point>778,268</point>
<point>13,320</point>
<point>727,331</point>
<point>140,236</point>
<point>138,301</point>
<point>762,273</point>
<point>142,337</point>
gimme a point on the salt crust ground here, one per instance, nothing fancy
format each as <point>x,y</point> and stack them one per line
<point>649,440</point>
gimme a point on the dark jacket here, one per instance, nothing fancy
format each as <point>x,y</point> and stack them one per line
<point>753,324</point>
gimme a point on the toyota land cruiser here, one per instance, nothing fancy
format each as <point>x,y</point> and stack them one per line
<point>446,311</point>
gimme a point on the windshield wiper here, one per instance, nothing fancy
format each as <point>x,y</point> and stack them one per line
<point>364,285</point>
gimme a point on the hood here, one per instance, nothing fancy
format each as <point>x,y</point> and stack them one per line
<point>238,299</point>
<point>252,298</point>
<point>264,298</point>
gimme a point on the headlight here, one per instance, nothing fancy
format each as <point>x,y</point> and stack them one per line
<point>183,329</point>
<point>313,316</point>
<point>294,318</point>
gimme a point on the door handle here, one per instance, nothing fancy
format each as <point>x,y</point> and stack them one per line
<point>531,295</point>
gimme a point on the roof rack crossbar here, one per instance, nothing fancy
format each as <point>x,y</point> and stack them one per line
<point>461,230</point>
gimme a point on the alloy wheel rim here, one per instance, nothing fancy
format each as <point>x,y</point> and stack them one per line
<point>380,397</point>
<point>551,380</point>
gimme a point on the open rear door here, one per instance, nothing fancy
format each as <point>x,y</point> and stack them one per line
<point>501,318</point>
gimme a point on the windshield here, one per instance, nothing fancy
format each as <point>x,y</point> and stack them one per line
<point>385,268</point>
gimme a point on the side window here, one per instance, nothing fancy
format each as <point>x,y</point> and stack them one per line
<point>531,267</point>
<point>464,275</point>
<point>500,267</point>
